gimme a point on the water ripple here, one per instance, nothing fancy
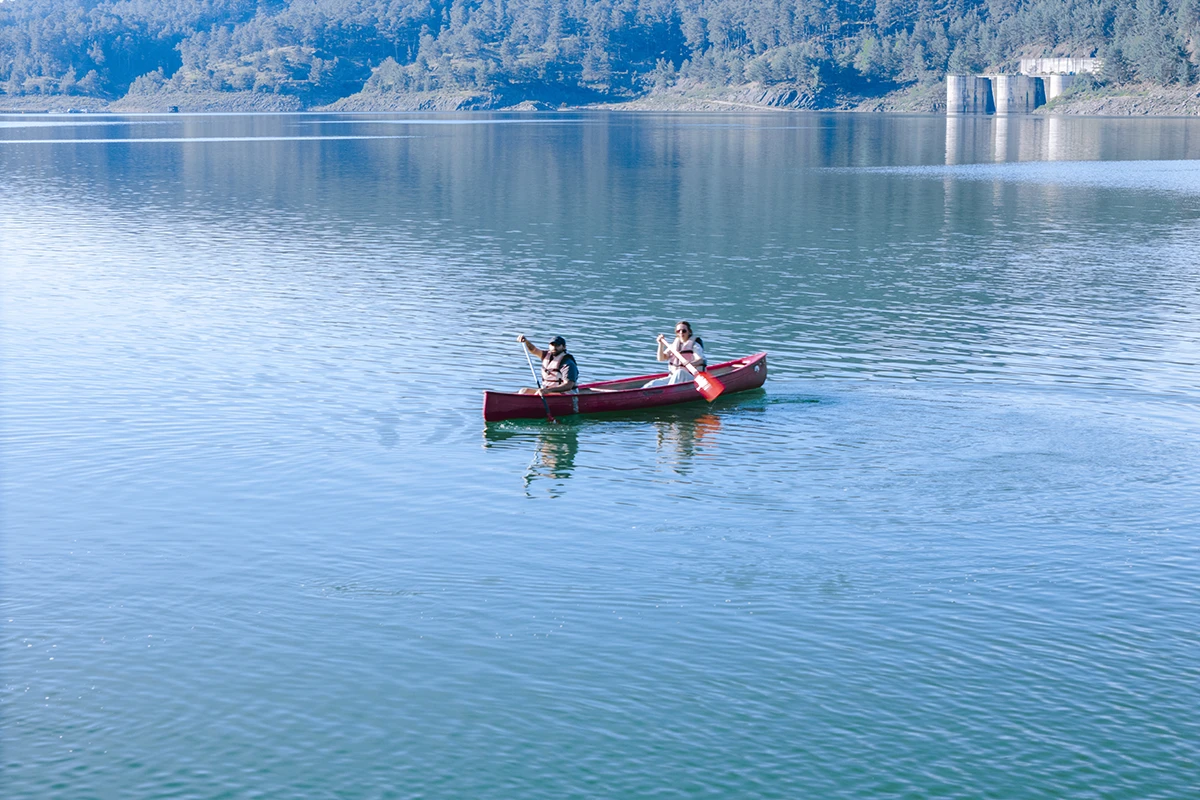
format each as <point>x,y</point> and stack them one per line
<point>259,541</point>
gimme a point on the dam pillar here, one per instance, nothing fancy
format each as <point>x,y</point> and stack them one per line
<point>1002,94</point>
<point>1057,84</point>
<point>1017,94</point>
<point>954,93</point>
<point>968,94</point>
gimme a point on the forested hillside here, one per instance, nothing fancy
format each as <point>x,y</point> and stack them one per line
<point>320,50</point>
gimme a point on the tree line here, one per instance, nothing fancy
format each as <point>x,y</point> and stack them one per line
<point>320,50</point>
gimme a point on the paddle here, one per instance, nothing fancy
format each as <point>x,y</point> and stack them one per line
<point>538,380</point>
<point>706,384</point>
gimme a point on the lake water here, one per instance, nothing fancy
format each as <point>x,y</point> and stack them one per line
<point>257,541</point>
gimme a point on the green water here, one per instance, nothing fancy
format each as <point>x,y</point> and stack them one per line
<point>257,541</point>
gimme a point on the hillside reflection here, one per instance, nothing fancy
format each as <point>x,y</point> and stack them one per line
<point>774,232</point>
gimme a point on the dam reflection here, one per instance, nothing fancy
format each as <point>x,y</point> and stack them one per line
<point>1036,137</point>
<point>999,139</point>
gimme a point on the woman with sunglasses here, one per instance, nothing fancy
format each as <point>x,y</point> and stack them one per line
<point>688,345</point>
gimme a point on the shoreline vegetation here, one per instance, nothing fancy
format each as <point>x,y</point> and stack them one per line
<point>1129,100</point>
<point>658,55</point>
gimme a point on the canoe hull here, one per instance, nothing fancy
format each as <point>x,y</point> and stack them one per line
<point>625,394</point>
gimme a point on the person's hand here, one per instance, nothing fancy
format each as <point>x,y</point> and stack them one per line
<point>521,338</point>
<point>662,339</point>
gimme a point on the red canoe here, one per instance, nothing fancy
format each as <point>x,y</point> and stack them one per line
<point>626,394</point>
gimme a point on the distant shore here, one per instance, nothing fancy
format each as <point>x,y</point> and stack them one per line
<point>1140,100</point>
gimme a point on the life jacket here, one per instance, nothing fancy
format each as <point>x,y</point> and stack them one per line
<point>552,366</point>
<point>687,348</point>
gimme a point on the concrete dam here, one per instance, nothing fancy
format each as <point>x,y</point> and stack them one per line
<point>1040,80</point>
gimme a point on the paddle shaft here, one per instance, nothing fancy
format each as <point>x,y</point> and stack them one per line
<point>538,381</point>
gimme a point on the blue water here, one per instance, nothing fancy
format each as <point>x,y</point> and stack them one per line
<point>258,542</point>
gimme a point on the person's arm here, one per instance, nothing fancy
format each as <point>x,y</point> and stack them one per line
<point>663,355</point>
<point>530,346</point>
<point>552,388</point>
<point>698,359</point>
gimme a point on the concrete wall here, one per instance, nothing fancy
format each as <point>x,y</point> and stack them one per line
<point>1060,66</point>
<point>1041,80</point>
<point>1017,94</point>
<point>968,94</point>
<point>1057,84</point>
<point>1000,94</point>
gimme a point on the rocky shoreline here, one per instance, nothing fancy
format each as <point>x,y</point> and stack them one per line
<point>1122,101</point>
<point>167,101</point>
<point>1128,101</point>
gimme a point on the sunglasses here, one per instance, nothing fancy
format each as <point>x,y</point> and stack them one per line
<point>682,330</point>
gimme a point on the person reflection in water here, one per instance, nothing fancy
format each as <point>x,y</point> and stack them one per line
<point>689,345</point>
<point>553,454</point>
<point>682,439</point>
<point>554,458</point>
<point>559,371</point>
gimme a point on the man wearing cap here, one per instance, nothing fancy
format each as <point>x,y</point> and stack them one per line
<point>559,371</point>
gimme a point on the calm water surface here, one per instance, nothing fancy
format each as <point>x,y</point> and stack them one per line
<point>257,541</point>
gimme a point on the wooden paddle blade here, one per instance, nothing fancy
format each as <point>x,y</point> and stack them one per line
<point>709,386</point>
